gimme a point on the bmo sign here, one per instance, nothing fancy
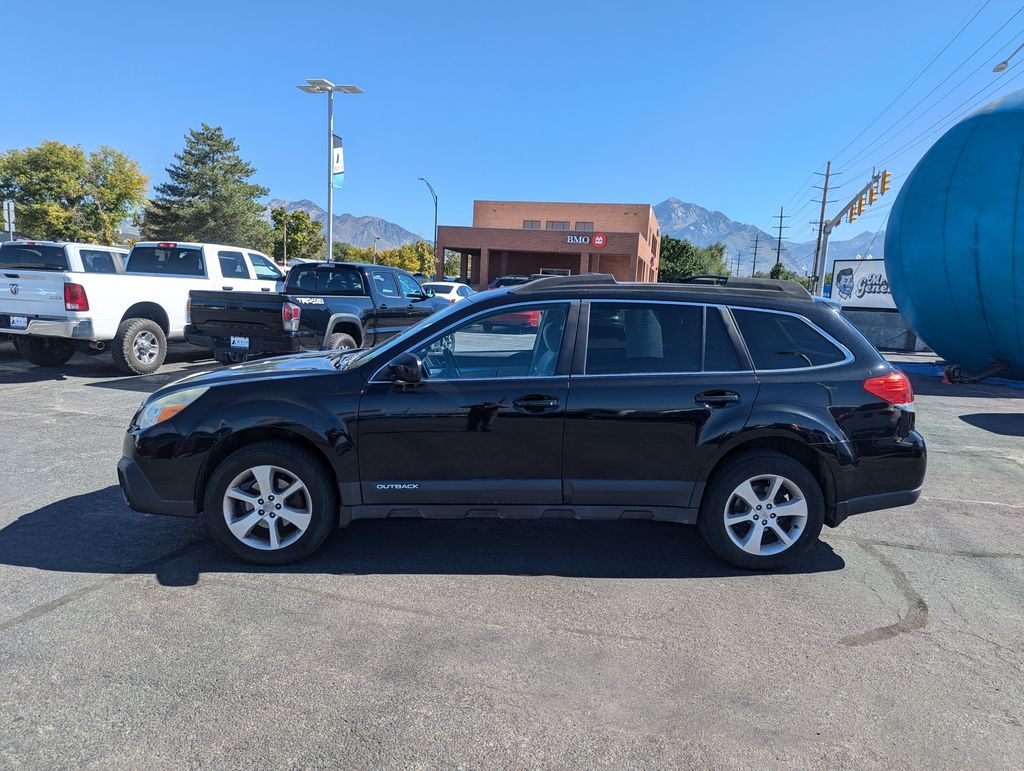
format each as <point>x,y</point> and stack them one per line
<point>597,240</point>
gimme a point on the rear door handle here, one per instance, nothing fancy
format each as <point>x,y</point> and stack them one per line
<point>383,306</point>
<point>266,289</point>
<point>227,288</point>
<point>536,403</point>
<point>717,398</point>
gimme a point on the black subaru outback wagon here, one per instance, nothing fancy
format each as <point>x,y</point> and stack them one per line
<point>745,407</point>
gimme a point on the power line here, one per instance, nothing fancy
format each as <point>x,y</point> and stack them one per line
<point>917,77</point>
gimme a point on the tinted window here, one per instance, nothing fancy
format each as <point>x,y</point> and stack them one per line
<point>777,341</point>
<point>33,257</point>
<point>96,261</point>
<point>173,261</point>
<point>635,337</point>
<point>345,282</point>
<point>232,265</point>
<point>409,285</point>
<point>264,268</point>
<point>384,283</point>
<point>465,291</point>
<point>439,288</point>
<point>509,281</point>
<point>519,342</point>
<point>719,352</point>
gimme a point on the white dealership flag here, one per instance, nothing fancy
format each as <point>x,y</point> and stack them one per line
<point>337,161</point>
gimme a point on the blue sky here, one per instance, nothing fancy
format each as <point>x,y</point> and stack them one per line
<point>731,105</point>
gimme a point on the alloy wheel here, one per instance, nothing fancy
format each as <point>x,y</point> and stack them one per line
<point>146,347</point>
<point>267,508</point>
<point>765,515</point>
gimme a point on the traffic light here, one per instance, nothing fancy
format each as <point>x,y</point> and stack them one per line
<point>860,205</point>
<point>886,182</point>
<point>872,194</point>
<point>852,215</point>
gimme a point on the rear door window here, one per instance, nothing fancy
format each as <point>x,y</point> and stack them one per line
<point>719,351</point>
<point>780,341</point>
<point>98,261</point>
<point>630,338</point>
<point>232,264</point>
<point>384,283</point>
<point>169,261</point>
<point>34,257</point>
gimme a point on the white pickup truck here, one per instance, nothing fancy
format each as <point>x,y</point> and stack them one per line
<point>57,298</point>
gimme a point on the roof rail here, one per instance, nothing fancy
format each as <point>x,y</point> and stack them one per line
<point>790,288</point>
<point>557,282</point>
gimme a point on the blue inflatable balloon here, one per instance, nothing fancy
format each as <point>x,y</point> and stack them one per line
<point>954,246</point>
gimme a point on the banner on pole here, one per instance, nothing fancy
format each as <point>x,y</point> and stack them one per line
<point>337,161</point>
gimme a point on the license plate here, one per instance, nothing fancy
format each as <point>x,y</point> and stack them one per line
<point>19,322</point>
<point>240,342</point>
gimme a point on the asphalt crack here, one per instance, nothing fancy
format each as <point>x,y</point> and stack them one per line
<point>916,616</point>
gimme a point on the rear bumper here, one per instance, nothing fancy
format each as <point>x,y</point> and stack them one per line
<point>287,343</point>
<point>75,329</point>
<point>140,496</point>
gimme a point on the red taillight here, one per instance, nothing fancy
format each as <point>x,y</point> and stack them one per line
<point>894,388</point>
<point>167,245</point>
<point>290,313</point>
<point>74,298</point>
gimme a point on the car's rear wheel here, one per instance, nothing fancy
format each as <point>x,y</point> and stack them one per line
<point>45,351</point>
<point>340,341</point>
<point>762,510</point>
<point>271,503</point>
<point>139,347</point>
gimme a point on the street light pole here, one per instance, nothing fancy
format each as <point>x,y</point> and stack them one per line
<point>438,256</point>
<point>322,86</point>
<point>1006,62</point>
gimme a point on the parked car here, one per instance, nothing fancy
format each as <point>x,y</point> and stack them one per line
<point>64,297</point>
<point>744,408</point>
<point>452,291</point>
<point>511,280</point>
<point>323,305</point>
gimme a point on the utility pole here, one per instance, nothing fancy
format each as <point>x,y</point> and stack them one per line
<point>816,273</point>
<point>778,243</point>
<point>739,256</point>
<point>753,267</point>
<point>285,242</point>
<point>878,185</point>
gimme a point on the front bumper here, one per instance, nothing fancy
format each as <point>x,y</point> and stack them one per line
<point>140,496</point>
<point>75,329</point>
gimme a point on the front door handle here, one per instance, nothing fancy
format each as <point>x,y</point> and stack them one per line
<point>717,398</point>
<point>266,289</point>
<point>383,306</point>
<point>227,288</point>
<point>536,403</point>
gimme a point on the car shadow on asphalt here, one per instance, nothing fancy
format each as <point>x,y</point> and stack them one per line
<point>1002,423</point>
<point>97,533</point>
<point>925,385</point>
<point>15,370</point>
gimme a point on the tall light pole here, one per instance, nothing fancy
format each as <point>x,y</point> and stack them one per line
<point>438,257</point>
<point>1006,62</point>
<point>322,86</point>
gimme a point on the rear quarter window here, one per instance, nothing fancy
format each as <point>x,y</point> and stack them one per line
<point>781,341</point>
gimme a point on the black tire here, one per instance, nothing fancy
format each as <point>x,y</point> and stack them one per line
<point>339,341</point>
<point>131,359</point>
<point>45,351</point>
<point>748,465</point>
<point>294,461</point>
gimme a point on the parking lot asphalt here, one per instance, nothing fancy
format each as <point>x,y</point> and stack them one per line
<point>131,641</point>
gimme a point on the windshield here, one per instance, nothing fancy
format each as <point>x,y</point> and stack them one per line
<point>33,257</point>
<point>396,343</point>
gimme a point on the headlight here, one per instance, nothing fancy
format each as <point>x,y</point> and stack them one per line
<point>166,407</point>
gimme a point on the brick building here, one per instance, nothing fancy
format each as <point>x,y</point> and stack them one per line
<point>522,237</point>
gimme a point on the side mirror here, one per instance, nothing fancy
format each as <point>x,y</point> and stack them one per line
<point>406,369</point>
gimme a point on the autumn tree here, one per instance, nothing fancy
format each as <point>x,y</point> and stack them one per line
<point>63,193</point>
<point>305,235</point>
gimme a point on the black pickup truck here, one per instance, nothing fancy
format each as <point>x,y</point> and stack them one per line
<point>323,305</point>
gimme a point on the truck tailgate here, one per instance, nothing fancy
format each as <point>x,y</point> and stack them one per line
<point>31,294</point>
<point>236,313</point>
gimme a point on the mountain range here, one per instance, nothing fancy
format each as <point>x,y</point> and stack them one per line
<point>358,231</point>
<point>678,219</point>
<point>704,227</point>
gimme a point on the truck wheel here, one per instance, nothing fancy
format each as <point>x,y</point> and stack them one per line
<point>762,510</point>
<point>271,503</point>
<point>45,351</point>
<point>139,347</point>
<point>339,341</point>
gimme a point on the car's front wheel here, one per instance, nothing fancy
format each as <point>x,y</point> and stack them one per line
<point>762,510</point>
<point>271,503</point>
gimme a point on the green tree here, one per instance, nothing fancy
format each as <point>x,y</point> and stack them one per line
<point>64,194</point>
<point>208,196</point>
<point>780,271</point>
<point>681,258</point>
<point>340,251</point>
<point>305,237</point>
<point>417,257</point>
